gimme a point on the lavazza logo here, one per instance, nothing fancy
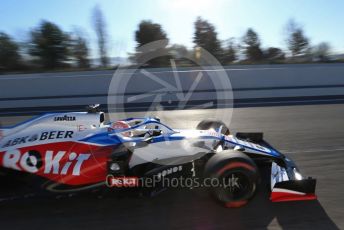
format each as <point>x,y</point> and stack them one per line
<point>171,93</point>
<point>65,118</point>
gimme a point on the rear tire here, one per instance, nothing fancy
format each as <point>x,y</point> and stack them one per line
<point>236,177</point>
<point>213,124</point>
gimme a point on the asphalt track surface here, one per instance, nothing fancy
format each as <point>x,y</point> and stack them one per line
<point>311,135</point>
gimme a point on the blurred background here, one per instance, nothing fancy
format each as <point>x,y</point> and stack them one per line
<point>39,35</point>
<point>284,60</point>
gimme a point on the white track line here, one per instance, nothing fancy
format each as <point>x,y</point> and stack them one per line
<point>313,150</point>
<point>69,75</point>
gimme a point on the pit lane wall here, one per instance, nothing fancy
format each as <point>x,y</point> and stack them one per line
<point>249,85</point>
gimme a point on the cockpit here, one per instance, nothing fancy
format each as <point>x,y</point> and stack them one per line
<point>139,127</point>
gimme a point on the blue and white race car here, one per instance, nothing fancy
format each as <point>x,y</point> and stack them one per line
<point>76,151</point>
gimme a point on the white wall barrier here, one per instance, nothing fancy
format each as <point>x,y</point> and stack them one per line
<point>247,82</point>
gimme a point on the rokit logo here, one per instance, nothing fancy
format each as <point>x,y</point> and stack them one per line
<point>65,118</point>
<point>31,162</point>
<point>122,182</point>
<point>39,137</point>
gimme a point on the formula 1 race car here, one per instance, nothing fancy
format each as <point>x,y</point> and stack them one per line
<point>75,151</point>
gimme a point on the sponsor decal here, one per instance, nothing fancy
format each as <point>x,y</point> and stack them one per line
<point>260,147</point>
<point>254,146</point>
<point>32,162</point>
<point>214,134</point>
<point>51,135</point>
<point>65,118</point>
<point>122,182</point>
<point>81,128</point>
<point>169,171</point>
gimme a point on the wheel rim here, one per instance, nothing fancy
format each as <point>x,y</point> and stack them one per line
<point>236,185</point>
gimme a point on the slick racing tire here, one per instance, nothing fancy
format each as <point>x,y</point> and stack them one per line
<point>213,124</point>
<point>234,177</point>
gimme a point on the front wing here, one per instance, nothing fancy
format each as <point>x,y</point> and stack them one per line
<point>287,184</point>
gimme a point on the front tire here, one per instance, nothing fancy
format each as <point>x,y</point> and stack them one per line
<point>236,175</point>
